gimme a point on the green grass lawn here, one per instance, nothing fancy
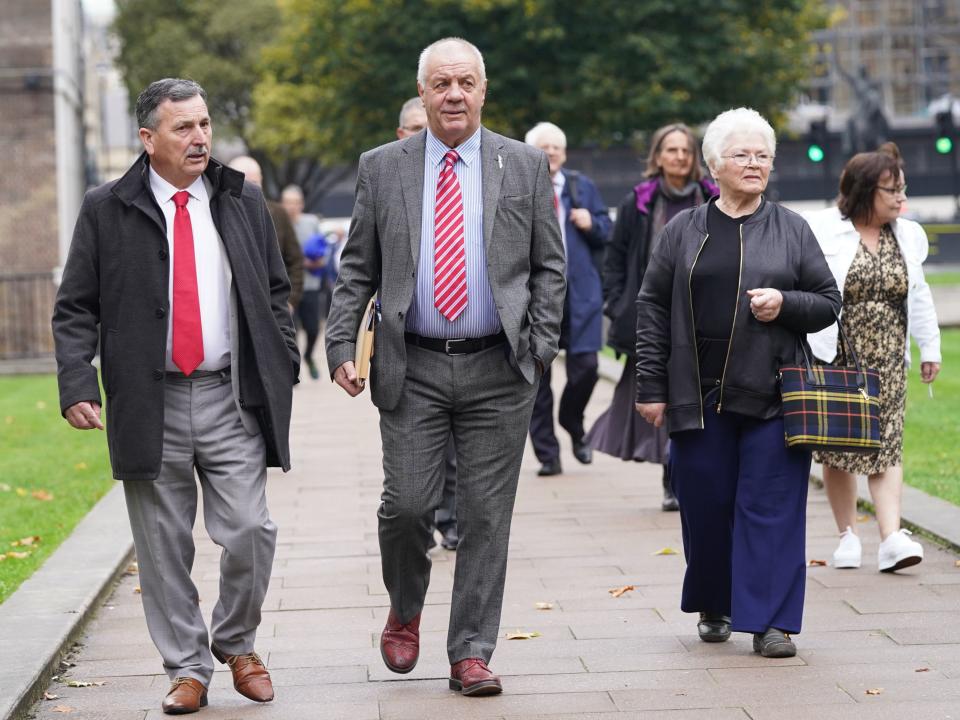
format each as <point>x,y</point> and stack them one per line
<point>931,443</point>
<point>948,277</point>
<point>50,475</point>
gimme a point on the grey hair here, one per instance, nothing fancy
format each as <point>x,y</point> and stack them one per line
<point>175,89</point>
<point>543,131</point>
<point>428,50</point>
<point>292,189</point>
<point>411,104</point>
<point>732,122</point>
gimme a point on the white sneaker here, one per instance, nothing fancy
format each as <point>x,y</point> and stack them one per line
<point>898,551</point>
<point>848,552</point>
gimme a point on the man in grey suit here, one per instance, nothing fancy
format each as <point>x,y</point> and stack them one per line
<point>175,272</point>
<point>454,230</point>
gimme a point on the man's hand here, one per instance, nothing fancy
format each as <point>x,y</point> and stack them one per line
<point>346,377</point>
<point>765,303</point>
<point>581,219</point>
<point>929,371</point>
<point>84,416</point>
<point>652,412</point>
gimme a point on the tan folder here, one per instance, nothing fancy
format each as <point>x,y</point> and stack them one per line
<point>365,341</point>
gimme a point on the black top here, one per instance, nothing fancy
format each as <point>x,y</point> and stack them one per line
<point>714,284</point>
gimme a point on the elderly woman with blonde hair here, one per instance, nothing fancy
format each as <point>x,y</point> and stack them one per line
<point>732,289</point>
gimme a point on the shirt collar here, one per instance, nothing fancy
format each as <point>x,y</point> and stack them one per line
<point>164,191</point>
<point>559,180</point>
<point>467,150</point>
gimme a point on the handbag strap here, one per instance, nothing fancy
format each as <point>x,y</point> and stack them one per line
<point>848,351</point>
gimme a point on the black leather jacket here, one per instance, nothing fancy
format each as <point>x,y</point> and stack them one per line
<point>777,250</point>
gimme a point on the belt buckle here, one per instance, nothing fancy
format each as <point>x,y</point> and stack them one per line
<point>448,351</point>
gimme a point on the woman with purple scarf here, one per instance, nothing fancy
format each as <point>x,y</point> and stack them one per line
<point>674,181</point>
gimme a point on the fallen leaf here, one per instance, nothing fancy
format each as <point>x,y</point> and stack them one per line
<point>80,466</point>
<point>517,635</point>
<point>42,495</point>
<point>22,492</point>
<point>543,606</point>
<point>23,542</point>
<point>136,590</point>
<point>18,555</point>
<point>864,518</point>
<point>85,683</point>
<point>956,563</point>
<point>132,569</point>
<point>5,488</point>
<point>62,709</point>
<point>874,691</point>
<point>41,405</point>
<point>817,563</point>
<point>617,592</point>
<point>50,696</point>
<point>922,670</point>
<point>666,551</point>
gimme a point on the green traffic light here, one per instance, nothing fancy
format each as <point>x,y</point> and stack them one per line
<point>815,153</point>
<point>944,145</point>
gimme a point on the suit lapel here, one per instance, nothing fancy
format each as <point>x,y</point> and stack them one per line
<point>492,168</point>
<point>410,167</point>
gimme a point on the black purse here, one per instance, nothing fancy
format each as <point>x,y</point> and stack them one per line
<point>831,407</point>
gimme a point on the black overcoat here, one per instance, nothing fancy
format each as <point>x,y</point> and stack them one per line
<point>115,292</point>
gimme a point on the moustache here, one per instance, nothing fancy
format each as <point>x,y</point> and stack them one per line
<point>198,151</point>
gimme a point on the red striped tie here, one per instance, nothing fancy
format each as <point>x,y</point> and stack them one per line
<point>187,351</point>
<point>449,255</point>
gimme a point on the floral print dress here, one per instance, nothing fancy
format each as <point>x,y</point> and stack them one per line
<point>875,320</point>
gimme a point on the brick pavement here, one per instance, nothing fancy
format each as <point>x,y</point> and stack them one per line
<point>597,657</point>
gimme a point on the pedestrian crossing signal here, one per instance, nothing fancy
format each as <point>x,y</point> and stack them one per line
<point>945,132</point>
<point>817,138</point>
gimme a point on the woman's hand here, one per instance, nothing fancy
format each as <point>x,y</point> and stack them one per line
<point>765,303</point>
<point>929,371</point>
<point>652,412</point>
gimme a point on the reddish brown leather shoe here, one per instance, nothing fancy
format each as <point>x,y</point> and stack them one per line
<point>400,644</point>
<point>250,676</point>
<point>472,677</point>
<point>185,696</point>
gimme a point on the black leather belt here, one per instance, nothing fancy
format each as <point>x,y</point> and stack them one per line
<point>199,374</point>
<point>456,346</point>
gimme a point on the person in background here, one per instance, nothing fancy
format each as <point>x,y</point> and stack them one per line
<point>877,259</point>
<point>413,119</point>
<point>307,228</point>
<point>731,290</point>
<point>674,181</point>
<point>286,235</point>
<point>584,225</point>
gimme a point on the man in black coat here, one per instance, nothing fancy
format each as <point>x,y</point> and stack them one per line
<point>175,272</point>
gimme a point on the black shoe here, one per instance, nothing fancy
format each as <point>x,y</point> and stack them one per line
<point>432,540</point>
<point>714,628</point>
<point>669,503</point>
<point>774,644</point>
<point>312,368</point>
<point>550,467</point>
<point>582,452</point>
<point>450,538</point>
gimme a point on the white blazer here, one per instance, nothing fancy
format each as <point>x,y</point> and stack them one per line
<point>839,241</point>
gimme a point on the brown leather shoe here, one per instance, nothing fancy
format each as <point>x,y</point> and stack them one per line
<point>472,677</point>
<point>250,676</point>
<point>400,644</point>
<point>186,695</point>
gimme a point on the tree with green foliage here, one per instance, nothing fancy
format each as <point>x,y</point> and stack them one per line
<point>606,71</point>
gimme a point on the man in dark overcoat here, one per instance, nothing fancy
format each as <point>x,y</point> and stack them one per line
<point>175,273</point>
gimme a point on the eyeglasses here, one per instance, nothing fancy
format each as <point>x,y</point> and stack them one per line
<point>898,190</point>
<point>743,159</point>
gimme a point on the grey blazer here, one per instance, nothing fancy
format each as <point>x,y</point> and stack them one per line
<point>521,237</point>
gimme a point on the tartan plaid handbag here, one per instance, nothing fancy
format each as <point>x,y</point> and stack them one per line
<point>831,407</point>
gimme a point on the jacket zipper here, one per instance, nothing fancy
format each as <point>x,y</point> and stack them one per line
<point>693,323</point>
<point>736,309</point>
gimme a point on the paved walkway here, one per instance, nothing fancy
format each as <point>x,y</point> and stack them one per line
<point>874,646</point>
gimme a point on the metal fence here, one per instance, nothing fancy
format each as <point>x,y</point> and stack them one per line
<point>26,305</point>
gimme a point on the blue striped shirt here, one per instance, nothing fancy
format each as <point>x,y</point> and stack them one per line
<point>480,317</point>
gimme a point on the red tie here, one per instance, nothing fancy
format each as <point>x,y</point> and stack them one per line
<point>449,255</point>
<point>187,333</point>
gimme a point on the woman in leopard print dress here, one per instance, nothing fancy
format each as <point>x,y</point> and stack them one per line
<point>876,257</point>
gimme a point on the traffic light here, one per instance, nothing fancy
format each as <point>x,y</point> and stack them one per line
<point>817,138</point>
<point>945,132</point>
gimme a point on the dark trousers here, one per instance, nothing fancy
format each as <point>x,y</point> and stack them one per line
<point>446,514</point>
<point>308,313</point>
<point>743,501</point>
<point>581,379</point>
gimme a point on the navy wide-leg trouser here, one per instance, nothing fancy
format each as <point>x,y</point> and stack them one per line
<point>743,497</point>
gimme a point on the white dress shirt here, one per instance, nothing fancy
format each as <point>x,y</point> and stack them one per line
<point>213,272</point>
<point>559,181</point>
